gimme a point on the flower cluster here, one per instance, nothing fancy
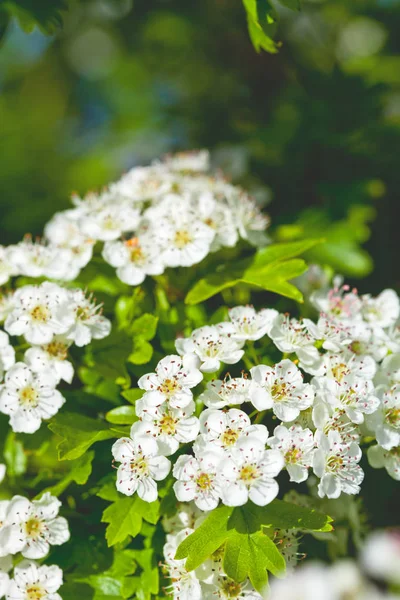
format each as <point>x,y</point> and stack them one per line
<point>337,384</point>
<point>50,318</point>
<point>30,528</point>
<point>169,214</point>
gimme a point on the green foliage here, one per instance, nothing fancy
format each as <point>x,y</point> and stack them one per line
<point>14,455</point>
<point>78,434</point>
<point>269,269</point>
<point>262,21</point>
<point>125,516</point>
<point>80,471</point>
<point>122,415</point>
<point>248,550</point>
<point>143,330</point>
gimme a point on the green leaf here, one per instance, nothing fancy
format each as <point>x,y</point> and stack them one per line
<point>81,469</point>
<point>261,18</point>
<point>145,327</point>
<point>142,352</point>
<point>248,551</point>
<point>269,269</point>
<point>78,433</point>
<point>109,356</point>
<point>132,395</point>
<point>285,515</point>
<point>122,415</point>
<point>125,518</point>
<point>14,455</point>
<point>252,555</point>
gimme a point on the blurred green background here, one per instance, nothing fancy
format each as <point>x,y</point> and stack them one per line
<point>127,80</point>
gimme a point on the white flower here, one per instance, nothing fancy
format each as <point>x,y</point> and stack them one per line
<point>184,584</point>
<point>339,303</point>
<point>41,259</point>
<point>249,219</point>
<point>7,354</point>
<point>335,463</point>
<point>385,421</point>
<point>28,397</point>
<point>389,371</point>
<point>195,161</point>
<point>219,217</point>
<point>168,426</point>
<point>225,430</point>
<point>32,582</point>
<point>4,583</point>
<point>282,389</point>
<point>141,466</point>
<point>51,358</point>
<point>198,480</point>
<point>7,268</point>
<point>297,448</point>
<point>172,382</point>
<point>186,239</point>
<point>380,556</point>
<point>390,459</point>
<point>211,347</point>
<point>112,218</point>
<point>134,259</point>
<point>249,474</point>
<point>291,335</point>
<point>88,323</point>
<point>224,588</point>
<point>32,527</point>
<point>354,395</point>
<point>40,312</point>
<point>333,334</point>
<point>248,324</point>
<point>6,304</point>
<point>185,517</point>
<point>382,311</point>
<point>144,183</point>
<point>232,390</point>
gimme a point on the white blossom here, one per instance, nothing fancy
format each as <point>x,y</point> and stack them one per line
<point>249,474</point>
<point>184,584</point>
<point>224,588</point>
<point>40,312</point>
<point>28,397</point>
<point>382,311</point>
<point>282,389</point>
<point>134,259</point>
<point>297,448</point>
<point>168,426</point>
<point>336,464</point>
<point>7,268</point>
<point>380,556</point>
<point>32,527</point>
<point>32,581</point>
<point>385,421</point>
<point>378,457</point>
<point>52,358</point>
<point>198,479</point>
<point>172,382</point>
<point>211,347</point>
<point>232,390</point>
<point>141,466</point>
<point>88,321</point>
<point>7,354</point>
<point>248,324</point>
<point>223,430</point>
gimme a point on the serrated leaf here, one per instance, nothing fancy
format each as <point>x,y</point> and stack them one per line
<point>122,415</point>
<point>125,515</point>
<point>285,515</point>
<point>123,519</point>
<point>78,433</point>
<point>269,269</point>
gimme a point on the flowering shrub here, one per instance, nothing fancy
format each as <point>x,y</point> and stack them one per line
<point>200,453</point>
